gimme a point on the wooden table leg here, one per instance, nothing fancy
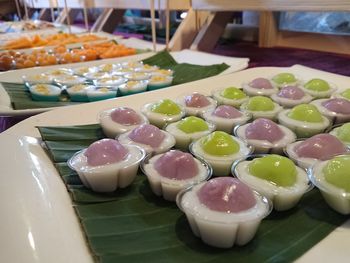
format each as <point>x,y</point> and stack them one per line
<point>108,20</point>
<point>188,30</point>
<point>268,29</point>
<point>212,30</point>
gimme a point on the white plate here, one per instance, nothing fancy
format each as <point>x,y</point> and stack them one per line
<point>38,221</point>
<point>188,56</point>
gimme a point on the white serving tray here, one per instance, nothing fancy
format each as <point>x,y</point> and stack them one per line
<point>188,56</point>
<point>38,220</point>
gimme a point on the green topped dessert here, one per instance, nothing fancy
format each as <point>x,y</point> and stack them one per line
<point>220,144</point>
<point>346,94</point>
<point>284,78</point>
<point>336,172</point>
<point>233,93</point>
<point>192,124</point>
<point>343,133</point>
<point>220,150</point>
<point>276,169</point>
<point>276,177</point>
<point>304,119</point>
<point>167,107</point>
<point>260,103</point>
<point>306,112</point>
<point>317,85</point>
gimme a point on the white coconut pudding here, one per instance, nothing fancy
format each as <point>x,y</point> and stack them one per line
<point>84,70</point>
<point>150,138</point>
<point>220,150</point>
<point>45,92</point>
<point>319,88</point>
<point>137,76</point>
<point>226,117</point>
<point>170,172</point>
<point>230,96</point>
<point>107,68</point>
<point>332,178</point>
<point>69,80</point>
<point>260,87</point>
<point>54,73</point>
<point>163,112</point>
<point>98,93</point>
<point>37,79</point>
<point>133,87</point>
<point>146,68</point>
<point>196,104</point>
<point>188,130</point>
<point>111,81</point>
<point>120,120</point>
<point>107,165</point>
<point>223,211</point>
<point>265,136</point>
<point>305,120</point>
<point>319,147</point>
<point>290,96</point>
<point>261,107</point>
<point>337,110</point>
<point>276,177</point>
<point>79,92</point>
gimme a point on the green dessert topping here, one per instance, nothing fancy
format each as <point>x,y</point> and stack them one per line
<point>192,124</point>
<point>167,107</point>
<point>260,103</point>
<point>220,144</point>
<point>317,85</point>
<point>346,94</point>
<point>343,132</point>
<point>276,169</point>
<point>233,93</point>
<point>284,78</point>
<point>305,112</point>
<point>336,172</point>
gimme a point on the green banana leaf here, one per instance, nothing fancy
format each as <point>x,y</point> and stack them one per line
<point>133,225</point>
<point>21,99</point>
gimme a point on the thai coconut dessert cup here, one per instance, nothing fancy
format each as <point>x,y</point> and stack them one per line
<point>173,171</point>
<point>69,80</point>
<point>159,82</point>
<point>196,104</point>
<point>260,87</point>
<point>319,88</point>
<point>101,93</point>
<point>37,79</point>
<point>331,177</point>
<point>284,79</point>
<point>226,117</point>
<point>337,110</point>
<point>120,120</point>
<point>45,92</point>
<point>163,112</point>
<point>150,138</point>
<point>261,107</point>
<point>275,177</point>
<point>304,120</point>
<point>79,92</point>
<point>319,147</point>
<point>342,132</point>
<point>188,130</point>
<point>223,222</point>
<point>133,87</point>
<point>220,150</point>
<point>290,96</point>
<point>265,136</point>
<point>107,165</point>
<point>230,96</point>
